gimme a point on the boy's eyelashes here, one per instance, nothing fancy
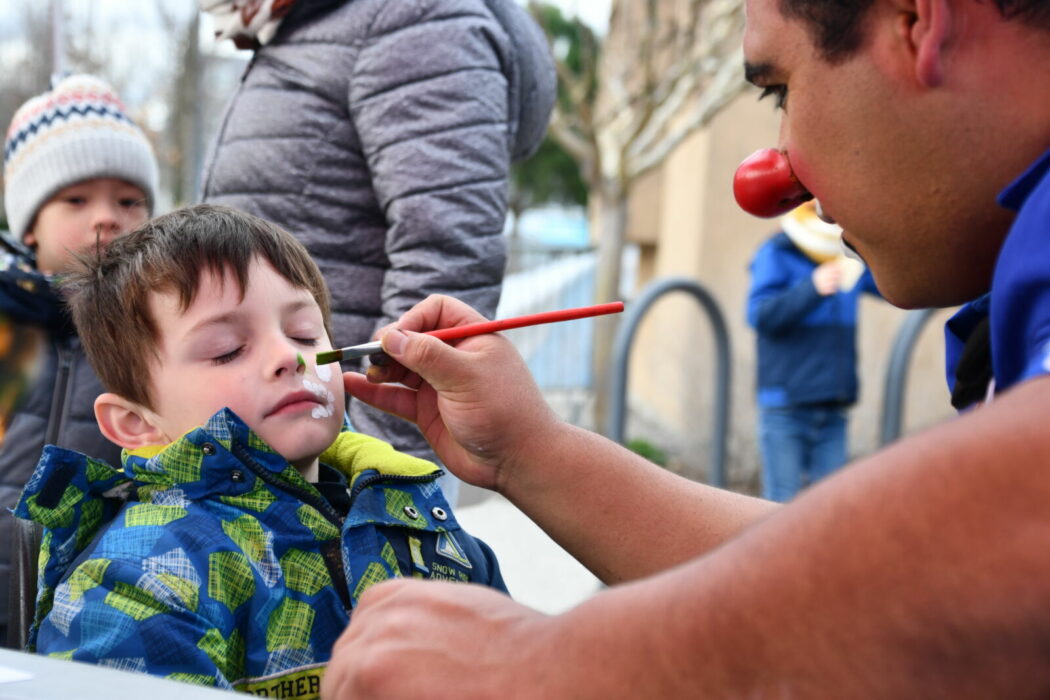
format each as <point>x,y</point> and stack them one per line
<point>123,202</point>
<point>229,356</point>
<point>236,352</point>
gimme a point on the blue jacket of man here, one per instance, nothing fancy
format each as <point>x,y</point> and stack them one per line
<point>1018,305</point>
<point>806,342</point>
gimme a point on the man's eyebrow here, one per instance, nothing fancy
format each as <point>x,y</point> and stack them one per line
<point>755,73</point>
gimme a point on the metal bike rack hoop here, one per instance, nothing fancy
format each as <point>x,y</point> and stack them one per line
<point>636,310</point>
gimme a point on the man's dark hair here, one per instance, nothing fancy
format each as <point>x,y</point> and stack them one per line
<point>837,26</point>
<point>109,291</point>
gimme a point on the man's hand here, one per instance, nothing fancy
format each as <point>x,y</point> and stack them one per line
<point>429,639</point>
<point>476,403</point>
<point>827,277</point>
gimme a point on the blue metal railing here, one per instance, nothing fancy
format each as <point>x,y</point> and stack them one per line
<point>621,357</point>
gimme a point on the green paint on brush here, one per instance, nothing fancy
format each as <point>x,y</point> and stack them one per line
<point>329,356</point>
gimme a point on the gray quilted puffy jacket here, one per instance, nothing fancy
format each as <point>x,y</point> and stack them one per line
<point>380,133</point>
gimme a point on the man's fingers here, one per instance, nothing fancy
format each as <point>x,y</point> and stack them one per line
<point>434,312</point>
<point>397,400</point>
<point>437,362</point>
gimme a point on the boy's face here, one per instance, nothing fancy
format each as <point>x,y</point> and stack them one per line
<point>242,354</point>
<point>72,219</point>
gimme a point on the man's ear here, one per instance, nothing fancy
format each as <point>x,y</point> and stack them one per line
<point>127,423</point>
<point>929,34</point>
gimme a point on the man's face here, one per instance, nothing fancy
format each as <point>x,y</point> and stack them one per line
<point>242,354</point>
<point>891,160</point>
<point>81,214</point>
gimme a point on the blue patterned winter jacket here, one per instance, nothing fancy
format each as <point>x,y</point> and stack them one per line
<point>225,567</point>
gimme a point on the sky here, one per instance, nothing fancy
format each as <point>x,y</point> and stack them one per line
<point>131,28</point>
<point>136,36</point>
<point>594,13</point>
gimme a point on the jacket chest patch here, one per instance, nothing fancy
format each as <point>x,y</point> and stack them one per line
<point>448,547</point>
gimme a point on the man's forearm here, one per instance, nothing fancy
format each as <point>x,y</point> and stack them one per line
<point>622,516</point>
<point>921,572</point>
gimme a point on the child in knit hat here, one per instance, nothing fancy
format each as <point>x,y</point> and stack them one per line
<point>77,172</point>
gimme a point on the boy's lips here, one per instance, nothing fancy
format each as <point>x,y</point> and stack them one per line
<point>291,401</point>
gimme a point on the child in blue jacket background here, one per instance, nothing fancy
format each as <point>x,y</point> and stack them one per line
<point>803,305</point>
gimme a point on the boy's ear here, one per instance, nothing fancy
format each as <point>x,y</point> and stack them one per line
<point>127,423</point>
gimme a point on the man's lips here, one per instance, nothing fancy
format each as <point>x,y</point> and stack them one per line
<point>294,401</point>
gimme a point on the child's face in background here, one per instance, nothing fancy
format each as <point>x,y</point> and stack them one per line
<point>73,218</point>
<point>242,354</point>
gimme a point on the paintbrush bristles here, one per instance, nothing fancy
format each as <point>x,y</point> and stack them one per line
<point>329,356</point>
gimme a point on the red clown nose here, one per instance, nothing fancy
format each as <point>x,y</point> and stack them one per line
<point>765,186</point>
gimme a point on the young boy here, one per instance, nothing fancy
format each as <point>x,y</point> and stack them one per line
<point>258,520</point>
<point>77,172</point>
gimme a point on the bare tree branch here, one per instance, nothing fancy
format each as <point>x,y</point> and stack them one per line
<point>726,85</point>
<point>571,139</point>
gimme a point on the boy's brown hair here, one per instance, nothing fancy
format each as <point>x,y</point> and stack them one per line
<point>109,291</point>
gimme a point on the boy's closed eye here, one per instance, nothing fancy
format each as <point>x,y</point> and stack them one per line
<point>228,356</point>
<point>304,327</point>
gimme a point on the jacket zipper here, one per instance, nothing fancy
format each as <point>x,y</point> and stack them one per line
<point>310,499</point>
<point>60,396</point>
<point>398,478</point>
<point>217,142</point>
<point>331,551</point>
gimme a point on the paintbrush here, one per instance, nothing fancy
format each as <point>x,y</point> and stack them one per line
<point>458,332</point>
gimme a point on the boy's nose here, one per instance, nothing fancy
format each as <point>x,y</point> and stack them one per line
<point>290,362</point>
<point>105,220</point>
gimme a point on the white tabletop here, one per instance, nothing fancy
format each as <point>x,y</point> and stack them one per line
<point>33,677</point>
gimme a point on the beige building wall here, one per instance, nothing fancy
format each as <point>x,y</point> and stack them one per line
<point>687,223</point>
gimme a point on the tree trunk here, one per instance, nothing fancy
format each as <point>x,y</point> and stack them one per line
<point>611,216</point>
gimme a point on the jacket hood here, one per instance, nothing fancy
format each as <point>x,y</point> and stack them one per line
<point>533,80</point>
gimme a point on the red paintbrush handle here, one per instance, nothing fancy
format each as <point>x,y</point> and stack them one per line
<point>527,320</point>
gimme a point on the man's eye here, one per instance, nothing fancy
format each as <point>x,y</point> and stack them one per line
<point>227,357</point>
<point>780,92</point>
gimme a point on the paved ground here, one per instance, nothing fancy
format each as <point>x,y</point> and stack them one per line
<point>538,572</point>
